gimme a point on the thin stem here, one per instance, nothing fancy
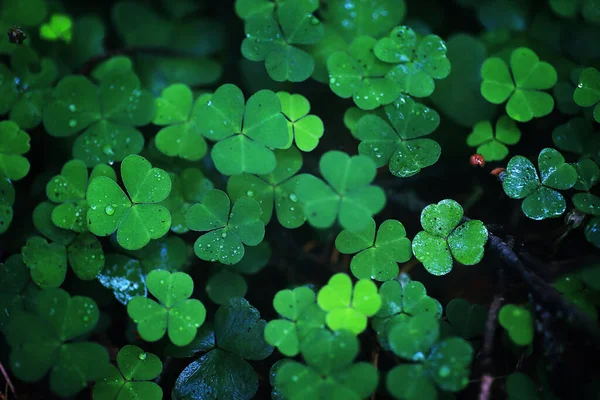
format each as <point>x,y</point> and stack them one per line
<point>8,381</point>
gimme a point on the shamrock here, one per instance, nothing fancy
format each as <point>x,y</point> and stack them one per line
<point>518,322</point>
<point>541,200</point>
<point>305,129</point>
<point>7,199</point>
<point>106,113</point>
<point>402,298</point>
<point>492,146</point>
<point>523,87</point>
<point>577,136</point>
<point>360,75</point>
<point>245,133</point>
<point>13,144</point>
<point>276,189</point>
<point>177,313</point>
<point>14,276</point>
<point>402,144</point>
<point>188,188</point>
<point>223,372</point>
<point>410,337</point>
<point>348,196</point>
<point>446,366</point>
<point>347,307</point>
<point>329,371</point>
<point>137,218</point>
<point>443,239</point>
<point>124,276</point>
<point>275,39</point>
<point>377,258</point>
<point>181,137</point>
<point>229,229</point>
<point>301,318</point>
<point>587,92</point>
<point>40,342</point>
<point>60,27</point>
<point>419,60</point>
<point>26,90</point>
<point>136,368</point>
<point>466,318</point>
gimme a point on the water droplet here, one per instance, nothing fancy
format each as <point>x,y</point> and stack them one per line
<point>72,123</point>
<point>249,193</point>
<point>223,235</point>
<point>86,318</point>
<point>293,197</point>
<point>109,210</point>
<point>444,371</point>
<point>142,356</point>
<point>72,107</point>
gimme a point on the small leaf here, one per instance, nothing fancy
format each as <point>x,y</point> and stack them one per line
<point>518,322</point>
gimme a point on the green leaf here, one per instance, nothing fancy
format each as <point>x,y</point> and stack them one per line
<point>587,92</point>
<point>15,276</point>
<point>124,276</point>
<point>138,220</point>
<point>520,387</point>
<point>86,257</point>
<point>47,262</point>
<point>225,284</point>
<point>588,174</point>
<point>305,129</point>
<point>518,322</point>
<point>522,89</point>
<point>42,220</point>
<point>13,144</point>
<point>587,203</point>
<point>177,313</point>
<point>577,136</point>
<point>7,199</point>
<point>408,381</point>
<point>136,364</point>
<point>592,231</point>
<point>468,319</point>
<point>60,27</point>
<point>401,144</point>
<point>448,364</point>
<point>492,145</point>
<point>412,337</point>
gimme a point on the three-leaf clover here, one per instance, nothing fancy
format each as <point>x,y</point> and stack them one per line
<point>223,372</point>
<point>419,60</point>
<point>7,199</point>
<point>541,200</point>
<point>304,129</point>
<point>348,307</point>
<point>130,380</point>
<point>176,314</point>
<point>229,228</point>
<point>329,371</point>
<point>348,194</point>
<point>245,133</point>
<point>518,322</point>
<point>13,144</point>
<point>41,341</point>
<point>377,257</point>
<point>276,37</point>
<point>275,190</point>
<point>587,92</point>
<point>26,89</point>
<point>60,27</point>
<point>399,140</point>
<point>106,113</point>
<point>492,145</point>
<point>523,88</point>
<point>136,218</point>
<point>181,136</point>
<point>444,238</point>
<point>360,75</point>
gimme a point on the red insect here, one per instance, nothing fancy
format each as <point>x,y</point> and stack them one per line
<point>477,160</point>
<point>498,173</point>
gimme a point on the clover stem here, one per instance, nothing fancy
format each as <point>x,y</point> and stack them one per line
<point>8,381</point>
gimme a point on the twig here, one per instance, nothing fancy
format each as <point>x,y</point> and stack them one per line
<point>375,362</point>
<point>488,338</point>
<point>8,381</point>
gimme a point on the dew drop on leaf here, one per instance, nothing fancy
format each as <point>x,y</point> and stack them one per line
<point>142,356</point>
<point>109,210</point>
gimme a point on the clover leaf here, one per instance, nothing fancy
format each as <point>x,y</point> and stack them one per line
<point>176,314</point>
<point>347,195</point>
<point>377,257</point>
<point>138,218</point>
<point>587,203</point>
<point>275,38</point>
<point>181,137</point>
<point>399,140</point>
<point>60,27</point>
<point>187,189</point>
<point>25,91</point>
<point>229,228</point>
<point>223,372</point>
<point>402,298</point>
<point>592,231</point>
<point>588,174</point>
<point>541,200</point>
<point>7,199</point>
<point>47,261</point>
<point>14,276</point>
<point>408,381</point>
<point>348,307</point>
<point>13,144</point>
<point>518,322</point>
<point>130,380</point>
<point>329,370</point>
<point>443,239</point>
<point>492,145</point>
<point>276,189</point>
<point>523,88</point>
<point>587,92</point>
<point>245,133</point>
<point>466,318</point>
<point>305,129</point>
<point>106,113</point>
<point>40,341</point>
<point>360,75</point>
<point>577,136</point>
<point>296,307</point>
<point>124,276</point>
<point>419,60</point>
